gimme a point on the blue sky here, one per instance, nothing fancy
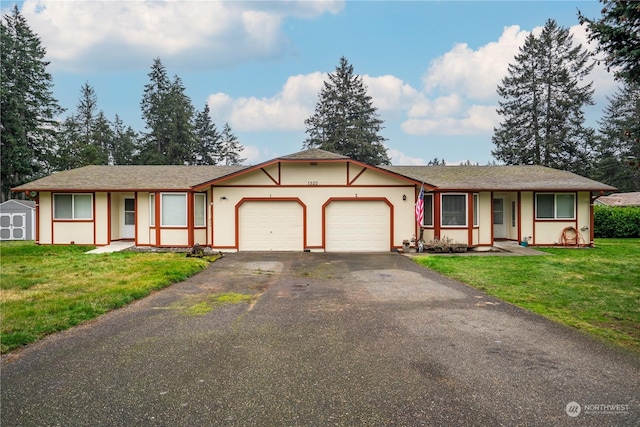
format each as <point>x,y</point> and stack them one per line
<point>432,67</point>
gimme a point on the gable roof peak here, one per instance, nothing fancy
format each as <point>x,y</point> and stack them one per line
<point>314,154</point>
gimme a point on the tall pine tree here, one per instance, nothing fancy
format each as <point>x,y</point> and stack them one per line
<point>618,149</point>
<point>85,136</point>
<point>230,147</point>
<point>28,110</point>
<point>617,33</point>
<point>169,115</point>
<point>345,120</point>
<point>208,145</point>
<point>124,145</point>
<point>543,97</point>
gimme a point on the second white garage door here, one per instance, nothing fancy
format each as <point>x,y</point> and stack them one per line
<point>358,226</point>
<point>270,226</point>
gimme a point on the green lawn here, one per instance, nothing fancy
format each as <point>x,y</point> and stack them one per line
<point>44,289</point>
<point>596,290</point>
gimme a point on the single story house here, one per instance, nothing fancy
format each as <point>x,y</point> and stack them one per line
<point>17,220</point>
<point>620,199</point>
<point>313,200</point>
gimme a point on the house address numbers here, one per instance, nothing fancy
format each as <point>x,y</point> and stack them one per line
<point>312,182</point>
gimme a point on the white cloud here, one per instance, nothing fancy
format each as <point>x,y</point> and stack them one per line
<point>390,93</point>
<point>117,34</point>
<point>252,154</point>
<point>476,73</point>
<point>287,110</point>
<point>458,97</point>
<point>472,120</point>
<point>399,158</point>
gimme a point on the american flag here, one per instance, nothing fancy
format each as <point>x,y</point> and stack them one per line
<point>420,206</point>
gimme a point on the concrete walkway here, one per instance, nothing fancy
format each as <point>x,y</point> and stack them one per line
<point>115,246</point>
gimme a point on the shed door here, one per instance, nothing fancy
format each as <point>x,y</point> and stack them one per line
<point>270,226</point>
<point>13,226</point>
<point>358,226</point>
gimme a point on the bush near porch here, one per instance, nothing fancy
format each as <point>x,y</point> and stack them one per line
<point>617,222</point>
<point>596,290</point>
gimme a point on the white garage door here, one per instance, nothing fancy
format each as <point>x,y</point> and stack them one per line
<point>270,226</point>
<point>354,226</point>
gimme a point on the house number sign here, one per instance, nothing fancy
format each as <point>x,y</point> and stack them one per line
<point>312,182</point>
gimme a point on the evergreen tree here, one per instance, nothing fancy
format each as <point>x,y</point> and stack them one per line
<point>345,120</point>
<point>67,147</point>
<point>618,149</point>
<point>85,135</point>
<point>543,98</point>
<point>101,139</point>
<point>28,110</point>
<point>230,148</point>
<point>208,141</point>
<point>617,34</point>
<point>124,144</point>
<point>168,114</point>
<point>437,162</point>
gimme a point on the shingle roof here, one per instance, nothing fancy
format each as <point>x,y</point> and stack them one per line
<point>462,178</point>
<point>621,199</point>
<point>129,178</point>
<point>496,178</point>
<point>314,154</point>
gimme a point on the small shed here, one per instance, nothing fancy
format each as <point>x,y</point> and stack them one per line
<point>17,220</point>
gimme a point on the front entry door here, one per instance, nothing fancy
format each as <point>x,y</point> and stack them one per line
<point>129,222</point>
<point>499,226</point>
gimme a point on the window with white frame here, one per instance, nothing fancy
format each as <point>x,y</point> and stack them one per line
<point>555,206</point>
<point>200,209</point>
<point>173,209</point>
<point>152,210</point>
<point>454,210</point>
<point>428,210</point>
<point>73,206</point>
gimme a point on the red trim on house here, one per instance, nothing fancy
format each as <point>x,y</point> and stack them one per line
<point>470,219</point>
<point>355,178</point>
<point>135,218</point>
<point>437,215</point>
<point>519,215</point>
<point>276,182</point>
<point>591,220</point>
<point>156,199</point>
<point>358,199</point>
<point>190,218</point>
<point>493,234</point>
<point>93,196</point>
<point>37,224</point>
<point>280,161</point>
<point>108,218</point>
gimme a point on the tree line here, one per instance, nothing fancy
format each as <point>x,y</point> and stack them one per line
<point>35,142</point>
<point>542,101</point>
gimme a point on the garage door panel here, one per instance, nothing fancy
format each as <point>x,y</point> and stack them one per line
<point>358,226</point>
<point>270,226</point>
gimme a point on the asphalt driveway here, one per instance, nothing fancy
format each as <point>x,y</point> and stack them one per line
<point>328,339</point>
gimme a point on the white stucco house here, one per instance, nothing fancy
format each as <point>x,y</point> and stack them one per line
<point>313,200</point>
